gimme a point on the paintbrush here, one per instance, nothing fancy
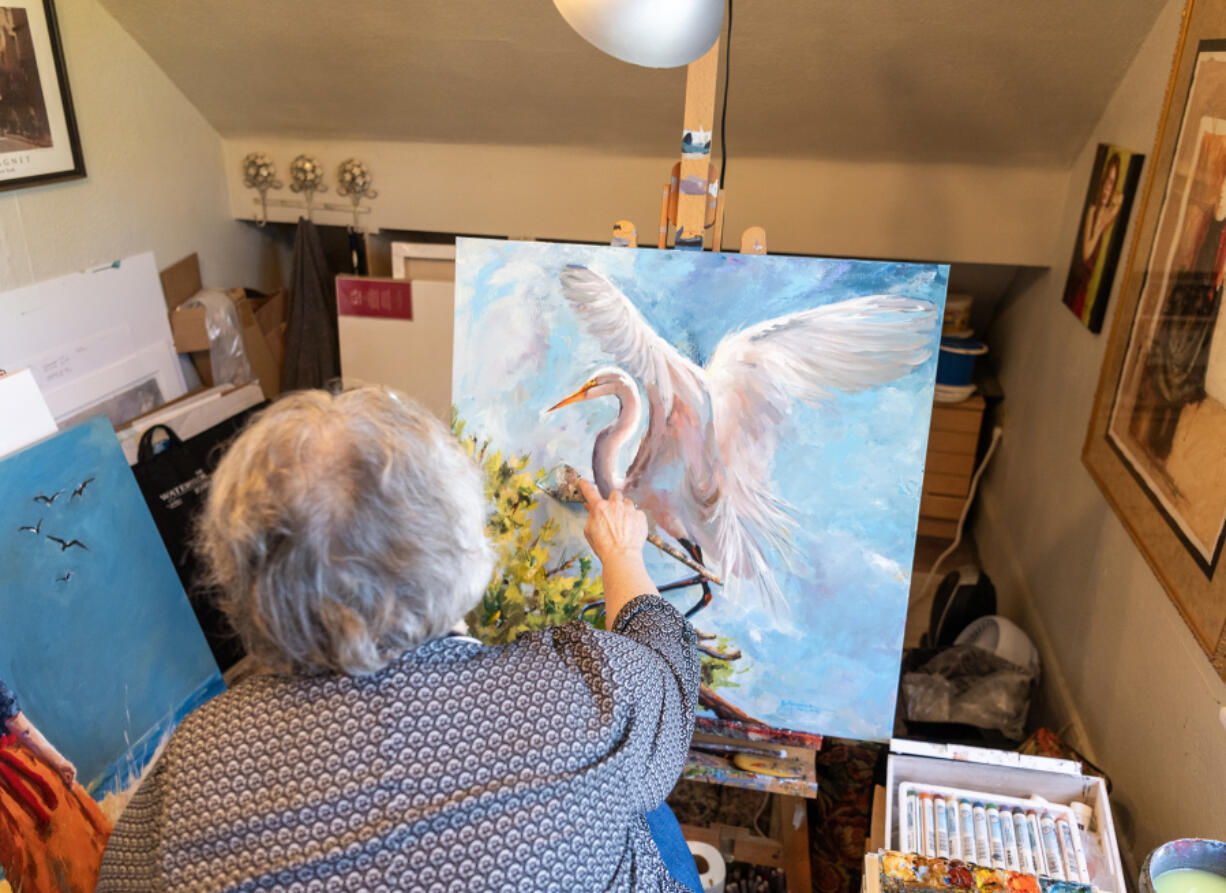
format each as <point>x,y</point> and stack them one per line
<point>673,552</point>
<point>567,490</point>
<point>752,749</point>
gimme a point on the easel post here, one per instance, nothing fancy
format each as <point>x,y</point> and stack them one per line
<point>694,183</point>
<point>693,200</point>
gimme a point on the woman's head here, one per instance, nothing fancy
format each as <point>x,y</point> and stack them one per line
<point>344,529</point>
<point>1109,179</point>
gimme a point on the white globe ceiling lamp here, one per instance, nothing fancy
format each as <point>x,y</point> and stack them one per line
<point>652,33</point>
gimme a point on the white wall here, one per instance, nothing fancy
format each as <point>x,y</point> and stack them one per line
<point>155,172</point>
<point>976,214</point>
<point>1122,668</point>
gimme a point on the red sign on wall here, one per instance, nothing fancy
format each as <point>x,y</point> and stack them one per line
<point>366,296</point>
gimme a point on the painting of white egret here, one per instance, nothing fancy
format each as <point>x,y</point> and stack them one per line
<point>769,414</point>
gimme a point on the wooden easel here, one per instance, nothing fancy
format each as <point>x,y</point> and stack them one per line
<point>693,203</point>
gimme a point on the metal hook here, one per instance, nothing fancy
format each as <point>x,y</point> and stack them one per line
<point>353,179</point>
<point>260,174</point>
<point>307,176</point>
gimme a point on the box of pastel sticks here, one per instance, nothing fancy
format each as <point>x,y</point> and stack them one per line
<point>1001,810</point>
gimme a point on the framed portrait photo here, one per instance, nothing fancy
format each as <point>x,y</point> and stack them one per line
<point>1104,219</point>
<point>1157,439</point>
<point>38,132</point>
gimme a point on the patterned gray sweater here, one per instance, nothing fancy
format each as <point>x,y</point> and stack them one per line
<point>459,767</point>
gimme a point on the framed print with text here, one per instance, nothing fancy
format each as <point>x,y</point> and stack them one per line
<point>38,132</point>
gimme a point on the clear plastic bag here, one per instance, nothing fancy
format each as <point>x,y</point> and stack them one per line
<point>227,356</point>
<point>969,685</point>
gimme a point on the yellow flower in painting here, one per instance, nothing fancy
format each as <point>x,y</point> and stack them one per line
<point>529,589</point>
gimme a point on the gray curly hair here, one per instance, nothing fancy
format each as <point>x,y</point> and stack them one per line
<point>343,529</point>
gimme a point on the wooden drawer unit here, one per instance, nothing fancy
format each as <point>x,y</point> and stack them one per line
<point>949,464</point>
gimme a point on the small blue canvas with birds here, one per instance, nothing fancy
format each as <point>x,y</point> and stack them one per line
<point>97,638</point>
<point>769,414</point>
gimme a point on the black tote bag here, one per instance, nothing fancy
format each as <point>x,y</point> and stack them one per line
<point>174,482</point>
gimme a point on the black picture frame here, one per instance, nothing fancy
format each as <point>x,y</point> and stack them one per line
<point>55,123</point>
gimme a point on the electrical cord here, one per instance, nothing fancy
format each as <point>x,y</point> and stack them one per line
<point>723,115</point>
<point>757,815</point>
<point>997,433</point>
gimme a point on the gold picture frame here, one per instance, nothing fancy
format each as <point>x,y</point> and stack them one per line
<point>1156,444</point>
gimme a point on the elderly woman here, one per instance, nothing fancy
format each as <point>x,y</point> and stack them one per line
<point>385,751</point>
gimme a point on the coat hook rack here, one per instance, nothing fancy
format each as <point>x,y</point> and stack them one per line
<point>353,179</point>
<point>307,175</point>
<point>260,173</point>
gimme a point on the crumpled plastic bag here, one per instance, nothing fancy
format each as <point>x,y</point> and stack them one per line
<point>969,685</point>
<point>227,355</point>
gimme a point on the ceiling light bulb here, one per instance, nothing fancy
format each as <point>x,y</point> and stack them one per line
<point>653,33</point>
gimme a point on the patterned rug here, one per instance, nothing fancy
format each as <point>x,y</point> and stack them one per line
<point>839,818</point>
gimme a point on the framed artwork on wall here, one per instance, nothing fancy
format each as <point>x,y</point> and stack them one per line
<point>38,131</point>
<point>1104,220</point>
<point>1157,439</point>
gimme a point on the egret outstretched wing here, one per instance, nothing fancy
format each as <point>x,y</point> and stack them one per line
<point>754,376</point>
<point>634,345</point>
<point>719,426</point>
<point>680,428</point>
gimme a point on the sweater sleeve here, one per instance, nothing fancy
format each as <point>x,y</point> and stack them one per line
<point>662,686</point>
<point>132,860</point>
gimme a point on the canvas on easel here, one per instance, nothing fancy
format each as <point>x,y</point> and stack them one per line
<point>770,415</point>
<point>100,653</point>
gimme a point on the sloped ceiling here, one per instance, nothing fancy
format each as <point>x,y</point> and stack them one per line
<point>959,81</point>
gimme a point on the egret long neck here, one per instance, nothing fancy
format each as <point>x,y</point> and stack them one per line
<point>610,441</point>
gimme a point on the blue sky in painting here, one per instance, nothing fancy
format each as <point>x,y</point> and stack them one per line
<point>851,469</point>
<point>114,654</point>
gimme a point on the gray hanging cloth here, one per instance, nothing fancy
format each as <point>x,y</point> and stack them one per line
<point>312,344</point>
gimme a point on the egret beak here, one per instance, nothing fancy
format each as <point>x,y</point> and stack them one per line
<point>578,395</point>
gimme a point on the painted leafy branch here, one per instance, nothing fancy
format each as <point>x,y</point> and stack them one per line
<point>717,672</point>
<point>530,588</point>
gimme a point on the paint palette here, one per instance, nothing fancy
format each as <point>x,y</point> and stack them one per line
<point>1009,782</point>
<point>895,872</point>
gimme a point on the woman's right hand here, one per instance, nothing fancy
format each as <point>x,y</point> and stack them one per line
<point>614,526</point>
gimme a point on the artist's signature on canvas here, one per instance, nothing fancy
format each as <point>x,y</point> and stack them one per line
<point>797,705</point>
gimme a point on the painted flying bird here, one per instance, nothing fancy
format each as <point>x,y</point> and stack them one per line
<point>80,490</point>
<point>65,546</point>
<point>702,468</point>
<point>37,529</point>
<point>64,579</point>
<point>47,499</point>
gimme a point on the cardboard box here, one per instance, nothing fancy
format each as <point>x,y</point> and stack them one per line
<point>1007,774</point>
<point>181,281</point>
<point>188,326</point>
<point>270,310</point>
